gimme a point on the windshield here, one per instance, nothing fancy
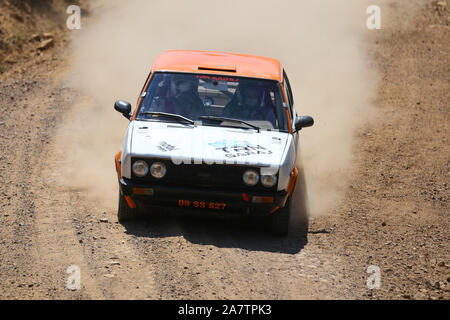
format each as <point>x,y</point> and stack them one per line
<point>199,96</point>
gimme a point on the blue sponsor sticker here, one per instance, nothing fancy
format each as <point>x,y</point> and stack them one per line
<point>225,143</point>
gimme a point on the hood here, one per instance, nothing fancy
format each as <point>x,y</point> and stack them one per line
<point>210,144</point>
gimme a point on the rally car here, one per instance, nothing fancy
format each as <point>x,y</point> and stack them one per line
<point>214,132</point>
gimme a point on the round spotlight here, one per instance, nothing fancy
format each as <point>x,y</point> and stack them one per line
<point>158,170</point>
<point>268,181</point>
<point>250,178</point>
<point>140,168</point>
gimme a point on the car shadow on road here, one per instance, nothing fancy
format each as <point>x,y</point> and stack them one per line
<point>252,235</point>
<point>249,234</point>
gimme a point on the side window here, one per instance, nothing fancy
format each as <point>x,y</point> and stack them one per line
<point>290,98</point>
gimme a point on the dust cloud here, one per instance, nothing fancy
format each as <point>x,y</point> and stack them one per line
<point>322,45</point>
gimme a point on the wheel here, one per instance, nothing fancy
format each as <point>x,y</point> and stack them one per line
<point>124,212</point>
<point>280,220</point>
<point>299,207</point>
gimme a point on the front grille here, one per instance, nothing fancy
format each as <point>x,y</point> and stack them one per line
<point>227,177</point>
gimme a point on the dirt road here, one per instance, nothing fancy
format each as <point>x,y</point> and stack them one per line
<point>394,214</point>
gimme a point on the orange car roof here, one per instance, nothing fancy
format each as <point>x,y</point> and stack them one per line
<point>211,62</point>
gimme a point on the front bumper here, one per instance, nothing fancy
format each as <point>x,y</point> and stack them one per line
<point>203,199</point>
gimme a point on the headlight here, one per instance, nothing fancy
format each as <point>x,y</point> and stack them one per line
<point>140,168</point>
<point>158,170</point>
<point>269,180</point>
<point>250,178</point>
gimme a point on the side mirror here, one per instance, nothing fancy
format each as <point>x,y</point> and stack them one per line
<point>123,107</point>
<point>303,122</point>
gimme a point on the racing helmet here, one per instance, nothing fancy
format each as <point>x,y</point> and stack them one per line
<point>251,94</point>
<point>180,84</point>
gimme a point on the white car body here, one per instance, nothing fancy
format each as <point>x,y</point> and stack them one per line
<point>271,151</point>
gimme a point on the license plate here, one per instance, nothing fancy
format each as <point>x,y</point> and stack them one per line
<point>212,205</point>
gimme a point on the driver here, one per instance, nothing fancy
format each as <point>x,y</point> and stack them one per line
<point>183,97</point>
<point>251,104</point>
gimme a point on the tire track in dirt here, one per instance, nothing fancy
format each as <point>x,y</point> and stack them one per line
<point>19,146</point>
<point>42,219</point>
<point>38,232</point>
<point>113,268</point>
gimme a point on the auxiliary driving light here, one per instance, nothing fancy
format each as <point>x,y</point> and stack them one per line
<point>250,178</point>
<point>158,170</point>
<point>140,168</point>
<point>269,180</point>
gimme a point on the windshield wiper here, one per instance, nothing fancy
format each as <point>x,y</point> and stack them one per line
<point>223,119</point>
<point>170,115</point>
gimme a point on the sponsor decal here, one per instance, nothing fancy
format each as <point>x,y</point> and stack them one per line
<point>218,78</point>
<point>228,143</point>
<point>276,140</point>
<point>164,147</point>
<point>234,148</point>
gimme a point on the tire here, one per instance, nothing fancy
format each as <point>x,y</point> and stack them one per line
<point>280,220</point>
<point>299,207</point>
<point>124,212</point>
